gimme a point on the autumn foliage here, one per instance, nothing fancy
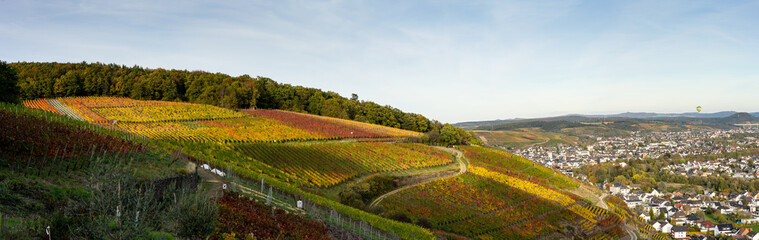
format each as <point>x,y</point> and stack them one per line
<point>242,216</point>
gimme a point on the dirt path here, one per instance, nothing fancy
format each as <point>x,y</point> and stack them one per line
<point>602,203</point>
<point>462,169</point>
<point>215,182</point>
<point>586,193</point>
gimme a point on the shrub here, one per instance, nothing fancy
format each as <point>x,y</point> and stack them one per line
<point>196,216</point>
<point>154,235</point>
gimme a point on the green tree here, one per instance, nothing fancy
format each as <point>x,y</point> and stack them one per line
<point>449,135</point>
<point>333,108</point>
<point>9,90</point>
<point>315,103</point>
<point>422,123</point>
<point>69,84</point>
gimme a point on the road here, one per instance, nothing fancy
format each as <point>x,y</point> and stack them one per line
<point>462,169</point>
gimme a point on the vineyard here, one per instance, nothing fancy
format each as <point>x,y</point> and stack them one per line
<point>511,164</point>
<point>332,127</point>
<point>36,143</point>
<point>187,122</point>
<point>502,196</point>
<point>327,164</point>
<point>477,207</point>
<point>42,104</point>
<point>221,130</point>
<point>243,216</point>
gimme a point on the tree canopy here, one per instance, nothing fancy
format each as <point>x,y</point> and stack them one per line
<point>9,91</point>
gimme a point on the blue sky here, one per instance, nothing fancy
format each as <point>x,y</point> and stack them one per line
<point>449,60</point>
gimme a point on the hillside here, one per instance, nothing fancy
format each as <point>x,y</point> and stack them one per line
<point>333,162</point>
<point>495,200</point>
<point>611,126</point>
<point>690,117</point>
<point>53,80</point>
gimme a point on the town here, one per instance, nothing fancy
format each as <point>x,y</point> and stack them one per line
<point>641,145</point>
<point>692,215</point>
<point>678,214</point>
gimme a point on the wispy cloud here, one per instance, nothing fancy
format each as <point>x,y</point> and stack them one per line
<point>451,60</point>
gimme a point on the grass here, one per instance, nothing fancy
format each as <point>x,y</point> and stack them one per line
<point>754,228</point>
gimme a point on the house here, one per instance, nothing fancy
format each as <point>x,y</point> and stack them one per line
<point>725,229</point>
<point>624,190</point>
<point>706,225</point>
<point>680,232</point>
<point>615,188</point>
<point>656,201</point>
<point>750,220</point>
<point>657,225</point>
<point>664,210</point>
<point>703,237</point>
<point>667,227</point>
<point>725,210</point>
<point>691,219</point>
<point>645,217</point>
<point>679,217</point>
<point>632,203</point>
<point>753,235</point>
<point>658,194</point>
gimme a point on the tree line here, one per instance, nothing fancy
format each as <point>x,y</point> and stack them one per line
<point>51,80</point>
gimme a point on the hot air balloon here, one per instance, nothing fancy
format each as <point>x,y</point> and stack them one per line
<point>698,108</point>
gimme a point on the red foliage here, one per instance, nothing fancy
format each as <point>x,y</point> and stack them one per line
<point>326,126</point>
<point>243,216</point>
<point>25,135</point>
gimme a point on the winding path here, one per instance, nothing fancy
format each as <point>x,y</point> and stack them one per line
<point>462,169</point>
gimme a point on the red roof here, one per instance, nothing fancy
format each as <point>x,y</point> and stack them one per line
<point>707,224</point>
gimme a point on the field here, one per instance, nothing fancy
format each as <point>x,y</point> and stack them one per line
<point>327,164</point>
<point>522,137</point>
<point>204,123</point>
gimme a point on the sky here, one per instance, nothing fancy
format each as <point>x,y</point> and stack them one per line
<point>452,61</point>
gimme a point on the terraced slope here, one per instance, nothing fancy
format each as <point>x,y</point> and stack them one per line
<point>488,204</point>
<point>507,163</point>
<point>327,164</point>
<point>205,123</point>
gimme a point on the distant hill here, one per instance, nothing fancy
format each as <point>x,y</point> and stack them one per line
<point>704,117</point>
<point>734,119</point>
<point>608,125</point>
